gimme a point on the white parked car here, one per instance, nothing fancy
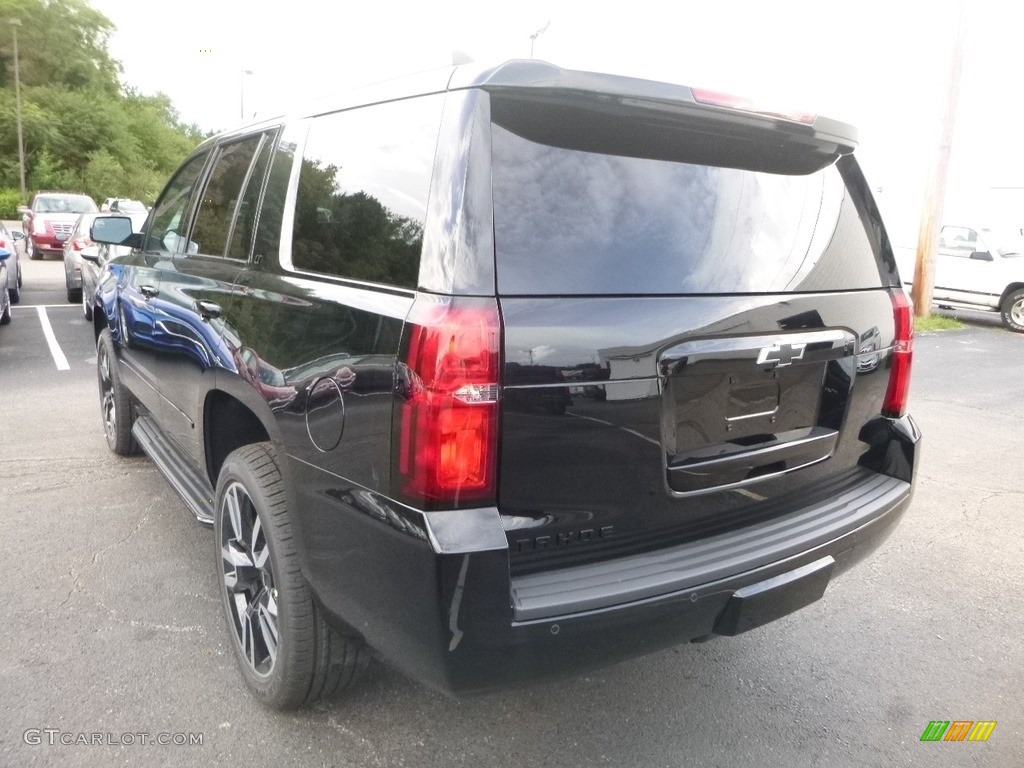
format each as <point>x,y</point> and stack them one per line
<point>982,269</point>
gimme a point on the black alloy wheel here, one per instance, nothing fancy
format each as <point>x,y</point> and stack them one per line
<point>287,653</point>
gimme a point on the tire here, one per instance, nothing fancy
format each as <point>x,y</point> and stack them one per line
<point>116,407</point>
<point>86,308</point>
<point>74,295</point>
<point>288,654</point>
<point>31,250</point>
<point>1012,311</point>
<point>5,318</point>
<point>15,294</point>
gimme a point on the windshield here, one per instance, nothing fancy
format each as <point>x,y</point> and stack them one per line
<point>65,204</point>
<point>1008,243</point>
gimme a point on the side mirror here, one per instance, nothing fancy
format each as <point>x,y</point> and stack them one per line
<point>17,234</point>
<point>981,256</point>
<point>112,230</point>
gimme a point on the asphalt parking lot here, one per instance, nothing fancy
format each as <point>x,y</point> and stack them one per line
<point>111,623</point>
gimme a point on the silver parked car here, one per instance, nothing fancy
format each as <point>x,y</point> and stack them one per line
<point>5,297</point>
<point>78,242</point>
<point>9,242</point>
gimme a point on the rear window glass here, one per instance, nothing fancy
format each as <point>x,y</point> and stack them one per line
<point>570,222</point>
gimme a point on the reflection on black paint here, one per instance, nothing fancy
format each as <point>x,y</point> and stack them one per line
<point>362,194</point>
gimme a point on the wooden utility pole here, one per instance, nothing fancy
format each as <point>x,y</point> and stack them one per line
<point>935,198</point>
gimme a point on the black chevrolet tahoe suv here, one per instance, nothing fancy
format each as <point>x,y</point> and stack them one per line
<point>503,373</point>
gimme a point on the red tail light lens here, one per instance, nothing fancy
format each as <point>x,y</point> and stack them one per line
<point>81,243</point>
<point>448,434</point>
<point>895,404</point>
<point>716,99</point>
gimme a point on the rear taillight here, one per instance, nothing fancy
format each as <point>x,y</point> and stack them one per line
<point>81,243</point>
<point>448,423</point>
<point>895,404</point>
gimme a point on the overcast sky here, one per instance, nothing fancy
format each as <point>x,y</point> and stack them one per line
<point>880,64</point>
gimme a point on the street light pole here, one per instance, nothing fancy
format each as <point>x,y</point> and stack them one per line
<point>241,91</point>
<point>15,23</point>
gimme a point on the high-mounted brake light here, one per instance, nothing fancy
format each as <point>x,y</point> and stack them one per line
<point>895,403</point>
<point>715,99</point>
<point>448,429</point>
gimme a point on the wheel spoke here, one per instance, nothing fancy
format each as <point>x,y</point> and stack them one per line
<point>109,412</point>
<point>248,641</point>
<point>266,608</point>
<point>235,514</point>
<point>248,579</point>
<point>241,605</point>
<point>239,572</point>
<point>260,550</point>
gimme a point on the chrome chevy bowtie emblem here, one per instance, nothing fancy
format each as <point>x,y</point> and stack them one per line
<point>780,355</point>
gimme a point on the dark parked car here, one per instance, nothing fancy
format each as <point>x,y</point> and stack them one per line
<point>49,219</point>
<point>343,339</point>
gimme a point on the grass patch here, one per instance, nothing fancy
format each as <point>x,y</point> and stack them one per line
<point>936,323</point>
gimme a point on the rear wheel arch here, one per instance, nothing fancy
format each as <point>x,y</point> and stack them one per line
<point>229,424</point>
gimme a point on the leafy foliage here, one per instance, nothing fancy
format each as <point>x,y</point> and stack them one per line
<point>82,131</point>
<point>10,199</point>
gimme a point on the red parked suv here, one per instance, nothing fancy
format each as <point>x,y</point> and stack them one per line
<point>49,219</point>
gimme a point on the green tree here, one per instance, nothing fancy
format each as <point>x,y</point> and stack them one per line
<point>60,42</point>
<point>81,130</point>
<point>102,172</point>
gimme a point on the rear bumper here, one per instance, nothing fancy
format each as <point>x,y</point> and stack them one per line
<point>433,593</point>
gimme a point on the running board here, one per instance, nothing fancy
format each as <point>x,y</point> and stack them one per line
<point>194,490</point>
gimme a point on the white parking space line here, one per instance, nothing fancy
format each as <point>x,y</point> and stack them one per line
<point>55,350</point>
<point>76,307</point>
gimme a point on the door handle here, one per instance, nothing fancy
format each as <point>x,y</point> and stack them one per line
<point>208,310</point>
<point>148,291</point>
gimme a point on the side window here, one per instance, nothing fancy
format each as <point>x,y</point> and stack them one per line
<point>362,194</point>
<point>172,207</point>
<point>245,218</point>
<point>220,198</point>
<point>957,241</point>
<point>268,229</point>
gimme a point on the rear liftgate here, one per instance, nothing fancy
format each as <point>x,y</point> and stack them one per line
<point>784,399</point>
